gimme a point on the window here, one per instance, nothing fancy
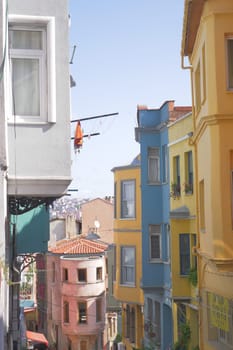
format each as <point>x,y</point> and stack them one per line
<point>128,199</point>
<point>128,265</point>
<point>82,312</point>
<point>82,275</point>
<point>153,165</point>
<point>98,310</point>
<point>184,253</point>
<point>230,63</point>
<point>189,172</point>
<point>127,323</point>
<point>181,314</point>
<point>155,234</point>
<point>114,264</point>
<point>32,62</point>
<point>202,205</point>
<point>197,76</point>
<point>115,200</point>
<point>132,325</point>
<point>203,74</point>
<point>149,309</point>
<point>53,271</point>
<point>176,178</point>
<point>99,274</point>
<point>66,315</point>
<point>65,274</point>
<point>220,320</point>
<point>165,163</point>
<point>157,321</point>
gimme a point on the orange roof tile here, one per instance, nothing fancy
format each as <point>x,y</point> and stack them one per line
<point>78,246</point>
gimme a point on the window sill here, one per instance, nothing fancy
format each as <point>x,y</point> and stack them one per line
<point>151,183</point>
<point>128,285</point>
<point>28,122</point>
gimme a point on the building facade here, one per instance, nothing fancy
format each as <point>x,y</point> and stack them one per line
<point>207,44</point>
<point>35,132</point>
<point>183,230</point>
<point>76,294</point>
<point>128,252</point>
<point>152,134</point>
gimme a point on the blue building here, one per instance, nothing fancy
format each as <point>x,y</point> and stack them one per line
<point>152,135</point>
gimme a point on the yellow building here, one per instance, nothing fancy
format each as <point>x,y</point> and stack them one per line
<point>183,229</point>
<point>207,50</point>
<point>127,239</point>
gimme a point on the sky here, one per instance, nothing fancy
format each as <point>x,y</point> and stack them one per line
<point>127,54</point>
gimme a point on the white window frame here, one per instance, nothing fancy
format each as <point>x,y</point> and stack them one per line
<point>128,204</point>
<point>155,231</point>
<point>153,156</point>
<point>46,25</point>
<point>125,267</point>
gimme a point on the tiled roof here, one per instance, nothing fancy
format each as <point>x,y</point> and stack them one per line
<point>78,246</point>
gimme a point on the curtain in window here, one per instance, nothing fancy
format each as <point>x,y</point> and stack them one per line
<point>26,86</point>
<point>153,165</point>
<point>25,39</point>
<point>128,265</point>
<point>26,47</point>
<point>128,194</point>
<point>184,254</point>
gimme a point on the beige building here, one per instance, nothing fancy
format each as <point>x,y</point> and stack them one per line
<point>97,217</point>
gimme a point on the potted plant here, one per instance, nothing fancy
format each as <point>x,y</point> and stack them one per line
<point>192,276</point>
<point>175,190</point>
<point>188,188</point>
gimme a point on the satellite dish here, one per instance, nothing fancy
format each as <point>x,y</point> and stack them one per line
<point>97,224</point>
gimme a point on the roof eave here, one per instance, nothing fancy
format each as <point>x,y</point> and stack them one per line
<point>191,21</point>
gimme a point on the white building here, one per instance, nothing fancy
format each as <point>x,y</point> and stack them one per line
<point>35,157</point>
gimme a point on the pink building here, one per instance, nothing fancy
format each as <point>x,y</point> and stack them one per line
<point>76,285</point>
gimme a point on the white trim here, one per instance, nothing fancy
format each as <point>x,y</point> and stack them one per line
<point>44,186</point>
<point>49,23</point>
<point>183,138</point>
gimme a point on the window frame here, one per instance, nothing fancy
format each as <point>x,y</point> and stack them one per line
<point>125,268</point>
<point>189,172</point>
<point>80,271</point>
<point>153,155</point>
<point>80,321</point>
<point>176,185</point>
<point>184,254</point>
<point>197,80</point>
<point>99,270</point>
<point>229,64</point>
<point>128,201</point>
<point>98,305</point>
<point>66,312</point>
<point>165,163</point>
<point>65,274</point>
<point>155,233</point>
<point>46,25</point>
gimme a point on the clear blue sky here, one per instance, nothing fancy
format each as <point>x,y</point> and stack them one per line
<point>128,53</point>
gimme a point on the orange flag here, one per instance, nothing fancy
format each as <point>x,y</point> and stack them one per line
<point>78,138</point>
